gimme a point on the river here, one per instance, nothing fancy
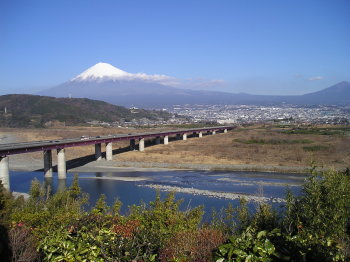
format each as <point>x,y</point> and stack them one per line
<point>213,189</point>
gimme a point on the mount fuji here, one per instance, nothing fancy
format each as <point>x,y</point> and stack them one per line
<point>104,72</point>
<point>108,83</point>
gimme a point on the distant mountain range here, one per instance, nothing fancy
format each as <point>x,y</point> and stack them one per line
<point>39,111</point>
<point>110,84</point>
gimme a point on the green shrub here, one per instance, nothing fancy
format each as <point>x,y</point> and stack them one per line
<point>161,220</point>
<point>323,208</point>
<point>249,246</point>
<point>318,219</point>
<point>315,148</point>
<point>101,206</point>
<point>273,245</point>
<point>236,220</point>
<point>6,204</point>
<point>335,131</point>
<point>308,247</point>
<point>45,212</point>
<point>265,218</point>
<point>231,220</point>
<point>64,245</point>
<point>273,141</point>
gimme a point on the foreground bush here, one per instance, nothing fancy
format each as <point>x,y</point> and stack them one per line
<point>23,243</point>
<point>192,246</point>
<point>313,227</point>
<point>161,220</point>
<point>273,245</point>
<point>323,208</point>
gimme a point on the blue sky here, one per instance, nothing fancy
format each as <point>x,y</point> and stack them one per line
<point>252,46</point>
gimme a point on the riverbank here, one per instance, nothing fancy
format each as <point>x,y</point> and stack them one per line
<point>219,167</point>
<point>212,167</point>
<point>24,164</point>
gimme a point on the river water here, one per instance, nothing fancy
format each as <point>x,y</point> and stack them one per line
<point>213,189</point>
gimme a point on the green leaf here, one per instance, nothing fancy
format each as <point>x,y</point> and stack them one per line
<point>239,252</point>
<point>223,249</point>
<point>261,234</point>
<point>269,246</point>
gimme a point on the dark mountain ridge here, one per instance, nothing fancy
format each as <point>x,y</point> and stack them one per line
<point>36,111</point>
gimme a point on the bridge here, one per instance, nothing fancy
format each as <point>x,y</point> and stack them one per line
<point>47,146</point>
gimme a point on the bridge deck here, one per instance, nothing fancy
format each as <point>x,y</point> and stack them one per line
<point>27,147</point>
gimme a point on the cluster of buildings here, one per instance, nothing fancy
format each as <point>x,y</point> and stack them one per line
<point>240,114</point>
<point>175,120</point>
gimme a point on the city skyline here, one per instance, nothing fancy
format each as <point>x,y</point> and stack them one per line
<point>258,47</point>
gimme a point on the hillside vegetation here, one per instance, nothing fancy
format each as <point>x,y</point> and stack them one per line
<point>38,111</point>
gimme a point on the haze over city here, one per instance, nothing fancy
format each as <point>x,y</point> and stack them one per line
<point>257,47</point>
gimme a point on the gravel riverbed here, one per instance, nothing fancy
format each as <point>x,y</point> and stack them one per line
<point>215,194</point>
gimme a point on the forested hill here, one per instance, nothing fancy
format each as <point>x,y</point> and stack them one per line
<point>38,111</point>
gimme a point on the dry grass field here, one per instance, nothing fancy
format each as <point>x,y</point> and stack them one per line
<point>255,146</point>
<point>258,145</point>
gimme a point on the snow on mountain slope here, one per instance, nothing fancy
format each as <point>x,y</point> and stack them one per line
<point>104,71</point>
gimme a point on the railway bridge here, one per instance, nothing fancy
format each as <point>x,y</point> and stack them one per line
<point>60,145</point>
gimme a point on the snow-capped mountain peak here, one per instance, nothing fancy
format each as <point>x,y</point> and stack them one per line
<point>100,71</point>
<point>104,71</point>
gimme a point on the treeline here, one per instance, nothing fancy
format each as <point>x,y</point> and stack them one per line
<point>314,226</point>
<point>36,111</point>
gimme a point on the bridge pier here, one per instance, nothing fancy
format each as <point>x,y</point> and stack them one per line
<point>61,185</point>
<point>157,140</point>
<point>109,151</point>
<point>214,132</point>
<point>225,130</point>
<point>184,137</point>
<point>132,144</point>
<point>166,140</point>
<point>200,134</point>
<point>61,164</point>
<point>98,152</point>
<point>47,163</point>
<point>5,172</point>
<point>142,144</point>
